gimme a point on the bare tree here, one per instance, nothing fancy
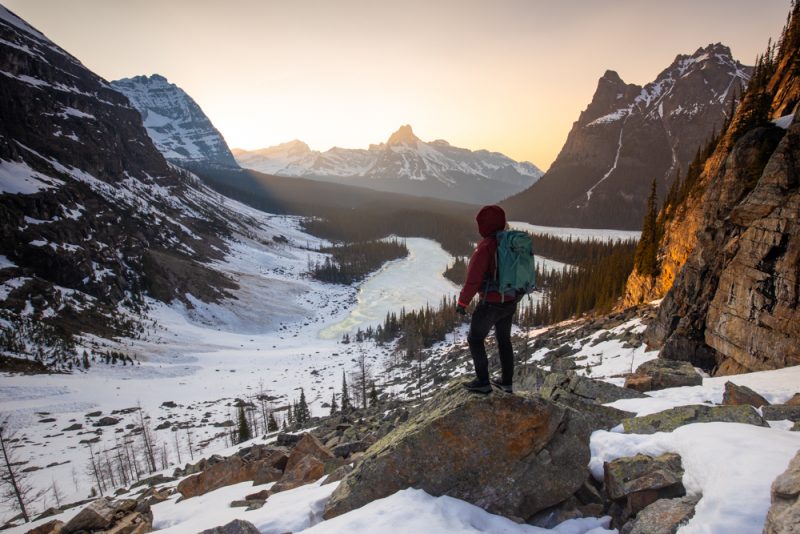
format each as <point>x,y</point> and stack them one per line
<point>94,470</point>
<point>178,447</point>
<point>15,488</point>
<point>56,493</point>
<point>147,441</point>
<point>362,376</point>
<point>189,442</point>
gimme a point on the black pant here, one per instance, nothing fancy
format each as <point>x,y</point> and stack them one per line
<point>485,316</point>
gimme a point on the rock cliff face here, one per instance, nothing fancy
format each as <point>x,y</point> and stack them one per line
<point>734,305</point>
<point>630,135</point>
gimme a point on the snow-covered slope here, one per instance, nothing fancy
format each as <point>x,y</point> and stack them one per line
<point>403,164</point>
<point>174,121</point>
<point>93,218</point>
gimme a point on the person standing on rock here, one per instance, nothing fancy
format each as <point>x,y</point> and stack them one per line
<point>493,310</point>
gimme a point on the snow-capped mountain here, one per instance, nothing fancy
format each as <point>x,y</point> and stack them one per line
<point>630,135</point>
<point>174,121</point>
<point>403,164</point>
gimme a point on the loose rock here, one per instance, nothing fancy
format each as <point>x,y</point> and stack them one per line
<point>784,513</point>
<point>669,420</point>
<point>738,395</point>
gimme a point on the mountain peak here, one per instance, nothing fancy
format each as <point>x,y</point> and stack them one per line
<point>403,136</point>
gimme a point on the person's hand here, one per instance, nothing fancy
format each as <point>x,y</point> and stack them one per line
<point>461,310</point>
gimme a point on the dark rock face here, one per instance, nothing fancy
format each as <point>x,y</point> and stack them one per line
<point>91,216</point>
<point>176,124</point>
<point>784,514</point>
<point>661,374</point>
<point>509,454</point>
<point>736,394</point>
<point>629,135</point>
<point>669,420</point>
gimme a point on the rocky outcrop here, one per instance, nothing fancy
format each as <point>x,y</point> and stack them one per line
<point>784,513</point>
<point>509,454</point>
<point>735,394</point>
<point>661,374</point>
<point>669,420</point>
<point>255,463</point>
<point>630,135</point>
<point>584,395</point>
<point>734,305</point>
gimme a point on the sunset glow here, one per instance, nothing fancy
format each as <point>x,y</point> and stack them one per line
<point>508,76</point>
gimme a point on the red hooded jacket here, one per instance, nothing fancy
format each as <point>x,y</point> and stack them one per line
<point>483,263</point>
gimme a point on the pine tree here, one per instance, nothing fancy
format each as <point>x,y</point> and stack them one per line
<point>290,416</point>
<point>373,396</point>
<point>244,433</point>
<point>345,394</point>
<point>302,414</point>
<point>646,257</point>
<point>334,406</point>
<point>272,424</point>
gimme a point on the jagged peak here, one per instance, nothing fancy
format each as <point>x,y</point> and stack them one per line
<point>143,79</point>
<point>611,76</point>
<point>403,136</point>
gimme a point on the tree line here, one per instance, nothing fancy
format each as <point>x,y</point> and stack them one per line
<point>352,262</point>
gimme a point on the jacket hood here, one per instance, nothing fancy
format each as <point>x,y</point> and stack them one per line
<point>491,219</point>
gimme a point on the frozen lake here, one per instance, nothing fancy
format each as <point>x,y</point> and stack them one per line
<point>583,234</point>
<point>410,282</point>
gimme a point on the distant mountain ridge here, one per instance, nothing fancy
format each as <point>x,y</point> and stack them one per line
<point>630,135</point>
<point>403,164</point>
<point>177,125</point>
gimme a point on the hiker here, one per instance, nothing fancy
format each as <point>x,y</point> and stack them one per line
<point>493,310</point>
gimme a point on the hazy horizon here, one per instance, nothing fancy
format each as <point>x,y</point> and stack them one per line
<point>508,77</point>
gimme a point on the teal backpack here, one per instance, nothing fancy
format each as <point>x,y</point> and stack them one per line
<point>516,272</point>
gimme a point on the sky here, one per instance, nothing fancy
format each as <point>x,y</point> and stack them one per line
<point>505,75</point>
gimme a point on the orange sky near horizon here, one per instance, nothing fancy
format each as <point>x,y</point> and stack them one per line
<point>510,76</point>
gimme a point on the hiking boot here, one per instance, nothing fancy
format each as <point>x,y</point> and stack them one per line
<point>477,386</point>
<point>508,388</point>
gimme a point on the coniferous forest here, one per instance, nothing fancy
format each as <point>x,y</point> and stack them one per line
<point>352,262</point>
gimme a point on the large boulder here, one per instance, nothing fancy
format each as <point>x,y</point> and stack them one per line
<point>662,374</point>
<point>232,470</point>
<point>308,445</point>
<point>736,395</point>
<point>512,455</point>
<point>669,420</point>
<point>307,470</point>
<point>784,513</point>
<point>638,481</point>
<point>665,516</point>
